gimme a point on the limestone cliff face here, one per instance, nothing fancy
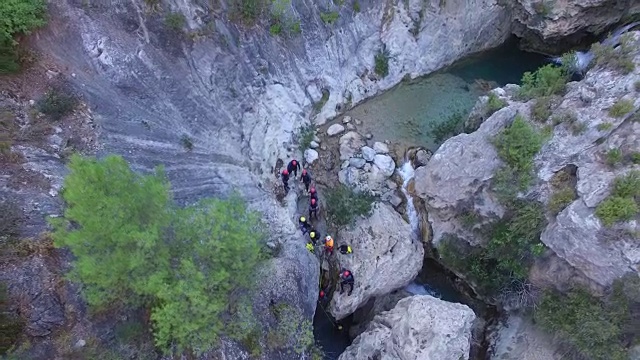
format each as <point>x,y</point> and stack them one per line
<point>554,26</point>
<point>583,250</point>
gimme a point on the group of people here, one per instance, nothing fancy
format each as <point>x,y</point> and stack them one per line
<point>346,276</point>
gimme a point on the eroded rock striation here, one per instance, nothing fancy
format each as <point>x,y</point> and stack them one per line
<point>420,327</point>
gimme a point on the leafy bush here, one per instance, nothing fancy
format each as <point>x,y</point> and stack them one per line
<point>621,108</point>
<point>325,97</point>
<point>441,131</point>
<point>329,17</point>
<point>190,266</point>
<point>546,81</point>
<point>248,10</point>
<point>614,156</point>
<point>615,208</point>
<point>175,21</point>
<point>620,58</point>
<point>18,16</point>
<point>605,126</point>
<point>57,103</point>
<point>382,62</point>
<point>542,8</point>
<point>275,29</point>
<point>356,6</point>
<point>517,145</point>
<point>583,322</point>
<point>494,104</point>
<point>344,205</point>
<point>541,110</point>
<point>627,185</point>
<point>561,199</point>
<point>578,128</point>
<point>306,136</point>
<point>635,157</point>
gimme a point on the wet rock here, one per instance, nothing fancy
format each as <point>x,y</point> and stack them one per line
<point>310,156</point>
<point>368,153</point>
<point>391,184</point>
<point>422,157</point>
<point>395,200</point>
<point>335,129</point>
<point>346,119</point>
<point>314,145</point>
<point>357,162</point>
<point>380,148</point>
<point>385,163</point>
<point>418,327</point>
<point>350,144</point>
<point>384,258</point>
<point>519,339</point>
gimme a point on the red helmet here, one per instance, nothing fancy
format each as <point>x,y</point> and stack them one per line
<point>304,171</point>
<point>321,293</point>
<point>345,273</point>
<point>294,162</point>
<point>313,189</point>
<point>285,172</point>
<point>313,201</point>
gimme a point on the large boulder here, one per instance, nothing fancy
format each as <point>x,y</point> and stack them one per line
<point>419,327</point>
<point>386,256</point>
<point>350,144</point>
<point>335,129</point>
<point>519,339</point>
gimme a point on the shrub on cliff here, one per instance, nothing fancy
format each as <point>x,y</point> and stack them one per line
<point>546,81</point>
<point>18,16</point>
<point>344,205</point>
<point>191,266</point>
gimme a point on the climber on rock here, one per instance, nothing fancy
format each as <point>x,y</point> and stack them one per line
<point>345,249</point>
<point>304,225</point>
<point>285,180</point>
<point>314,235</point>
<point>310,247</point>
<point>306,179</point>
<point>313,208</point>
<point>293,167</point>
<point>328,245</point>
<point>346,278</point>
<point>313,194</point>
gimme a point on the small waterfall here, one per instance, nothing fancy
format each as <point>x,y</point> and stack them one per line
<point>418,289</point>
<point>406,172</point>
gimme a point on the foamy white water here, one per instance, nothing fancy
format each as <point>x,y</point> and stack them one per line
<point>407,172</point>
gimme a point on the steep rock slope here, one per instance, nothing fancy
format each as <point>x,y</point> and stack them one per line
<point>583,245</point>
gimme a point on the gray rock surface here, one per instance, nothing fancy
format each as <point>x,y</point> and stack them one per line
<point>380,147</point>
<point>384,258</point>
<point>357,162</point>
<point>419,327</point>
<point>422,158</point>
<point>520,339</point>
<point>310,156</point>
<point>368,153</point>
<point>350,144</point>
<point>385,163</point>
<point>335,129</point>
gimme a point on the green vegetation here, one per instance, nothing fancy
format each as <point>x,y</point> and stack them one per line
<point>248,10</point>
<point>546,81</point>
<point>10,325</point>
<point>592,328</point>
<point>18,17</point>
<point>175,21</point>
<point>306,137</point>
<point>543,8</point>
<point>280,21</point>
<point>494,104</point>
<point>627,185</point>
<point>191,267</point>
<point>620,58</point>
<point>275,29</point>
<point>325,97</point>
<point>441,131</point>
<point>344,205</point>
<point>57,103</point>
<point>186,142</point>
<point>561,199</point>
<point>635,157</point>
<point>614,156</point>
<point>517,145</point>
<point>605,126</point>
<point>356,6</point>
<point>290,326</point>
<point>382,62</point>
<point>504,262</point>
<point>615,209</point>
<point>621,108</point>
<point>329,17</point>
<point>541,110</point>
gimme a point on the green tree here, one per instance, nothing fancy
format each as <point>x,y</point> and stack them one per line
<point>547,80</point>
<point>17,16</point>
<point>220,243</point>
<point>119,219</point>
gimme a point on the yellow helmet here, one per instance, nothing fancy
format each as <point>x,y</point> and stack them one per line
<point>312,234</point>
<point>302,219</point>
